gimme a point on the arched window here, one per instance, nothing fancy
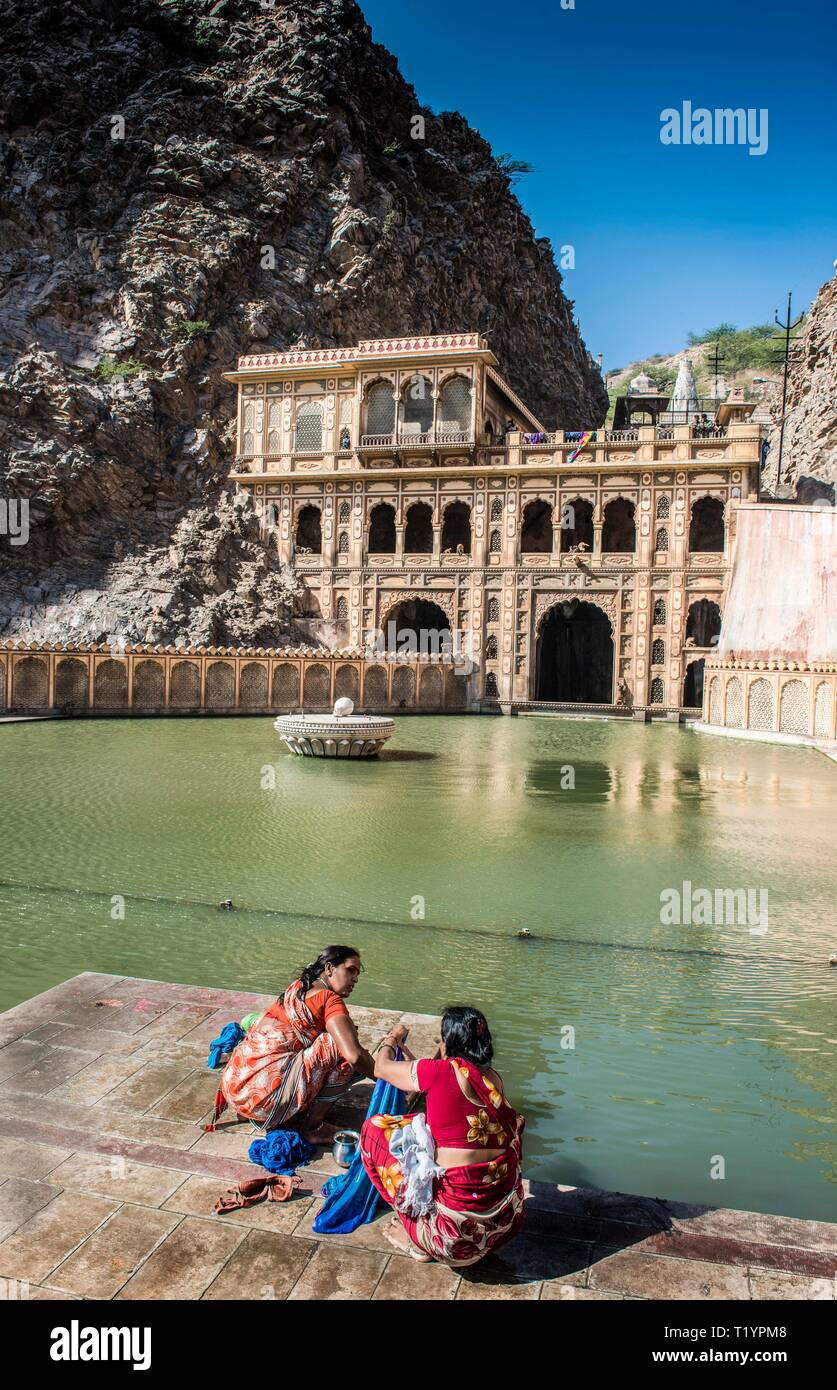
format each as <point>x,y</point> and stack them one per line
<point>657,691</point>
<point>661,542</point>
<point>536,531</point>
<point>658,652</point>
<point>344,514</point>
<point>659,612</point>
<point>491,648</point>
<point>619,531</point>
<point>418,537</point>
<point>343,543</point>
<point>382,529</point>
<point>706,532</point>
<point>576,524</point>
<point>274,424</point>
<point>453,418</point>
<point>380,409</point>
<point>247,420</point>
<point>309,535</point>
<point>496,509</point>
<point>456,528</point>
<point>663,508</point>
<point>494,543</point>
<point>309,427</point>
<point>417,408</point>
<point>761,716</point>
<point>342,606</point>
<point>493,609</point>
<point>491,685</point>
<point>703,624</point>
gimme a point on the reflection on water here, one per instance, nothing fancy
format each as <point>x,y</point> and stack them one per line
<point>579,780</point>
<point>688,1041</point>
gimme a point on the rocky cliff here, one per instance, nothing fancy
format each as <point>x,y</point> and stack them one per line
<point>185,181</point>
<point>809,454</point>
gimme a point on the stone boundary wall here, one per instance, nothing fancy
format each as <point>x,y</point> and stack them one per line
<point>794,700</point>
<point>105,680</point>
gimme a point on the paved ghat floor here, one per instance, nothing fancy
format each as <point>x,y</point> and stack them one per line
<point>107,1184</point>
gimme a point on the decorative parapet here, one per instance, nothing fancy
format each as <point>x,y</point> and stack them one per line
<point>97,678</point>
<point>367,348</point>
<point>733,663</point>
<point>788,700</point>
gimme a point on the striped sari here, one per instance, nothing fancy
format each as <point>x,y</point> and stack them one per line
<point>279,1069</point>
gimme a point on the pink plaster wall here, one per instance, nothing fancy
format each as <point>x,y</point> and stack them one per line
<point>782,599</point>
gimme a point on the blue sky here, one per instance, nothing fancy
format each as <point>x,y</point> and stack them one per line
<point>667,239</point>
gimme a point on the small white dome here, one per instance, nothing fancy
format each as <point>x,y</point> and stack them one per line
<point>642,385</point>
<point>343,707</point>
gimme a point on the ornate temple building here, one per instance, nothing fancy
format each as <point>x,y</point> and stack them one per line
<point>414,491</point>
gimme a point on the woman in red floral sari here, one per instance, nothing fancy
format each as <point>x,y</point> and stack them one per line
<point>476,1202</point>
<point>302,1054</point>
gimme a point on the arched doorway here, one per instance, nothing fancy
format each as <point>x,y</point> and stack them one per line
<point>382,529</point>
<point>703,625</point>
<point>693,685</point>
<point>536,533</point>
<point>576,524</point>
<point>417,625</point>
<point>309,535</point>
<point>574,655</point>
<point>456,527</point>
<point>706,529</point>
<point>619,530</point>
<point>419,536</point>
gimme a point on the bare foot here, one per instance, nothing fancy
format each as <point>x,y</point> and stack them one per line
<point>395,1233</point>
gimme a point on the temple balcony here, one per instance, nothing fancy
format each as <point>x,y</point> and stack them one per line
<point>414,439</point>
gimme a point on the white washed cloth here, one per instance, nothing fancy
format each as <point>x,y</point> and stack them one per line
<point>415,1148</point>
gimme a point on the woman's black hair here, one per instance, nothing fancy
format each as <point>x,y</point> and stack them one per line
<point>331,955</point>
<point>465,1034</point>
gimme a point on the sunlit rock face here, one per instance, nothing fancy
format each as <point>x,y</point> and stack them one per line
<point>809,452</point>
<point>184,186</point>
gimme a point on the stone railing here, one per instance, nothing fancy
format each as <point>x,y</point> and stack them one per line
<point>86,679</point>
<point>403,439</point>
<point>796,700</point>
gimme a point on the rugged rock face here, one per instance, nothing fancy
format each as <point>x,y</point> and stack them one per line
<point>809,455</point>
<point>185,181</point>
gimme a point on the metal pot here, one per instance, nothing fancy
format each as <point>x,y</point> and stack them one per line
<point>345,1147</point>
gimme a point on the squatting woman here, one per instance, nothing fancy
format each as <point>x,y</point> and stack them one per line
<point>473,1148</point>
<point>302,1054</point>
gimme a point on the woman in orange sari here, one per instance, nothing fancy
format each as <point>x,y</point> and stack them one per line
<point>455,1183</point>
<point>301,1055</point>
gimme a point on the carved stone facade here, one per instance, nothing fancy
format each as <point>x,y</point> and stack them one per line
<point>407,469</point>
<point>148,680</point>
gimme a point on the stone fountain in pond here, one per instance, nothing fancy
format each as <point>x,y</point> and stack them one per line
<point>342,734</point>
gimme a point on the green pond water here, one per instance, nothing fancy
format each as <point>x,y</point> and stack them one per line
<point>691,1042</point>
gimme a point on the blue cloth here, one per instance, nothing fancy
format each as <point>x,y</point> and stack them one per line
<point>351,1199</point>
<point>281,1150</point>
<point>227,1039</point>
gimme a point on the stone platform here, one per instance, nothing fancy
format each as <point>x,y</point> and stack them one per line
<point>107,1184</point>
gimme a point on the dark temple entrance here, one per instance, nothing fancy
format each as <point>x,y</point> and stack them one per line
<point>574,658</point>
<point>417,625</point>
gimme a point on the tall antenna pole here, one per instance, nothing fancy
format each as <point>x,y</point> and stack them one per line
<point>788,327</point>
<point>717,359</point>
